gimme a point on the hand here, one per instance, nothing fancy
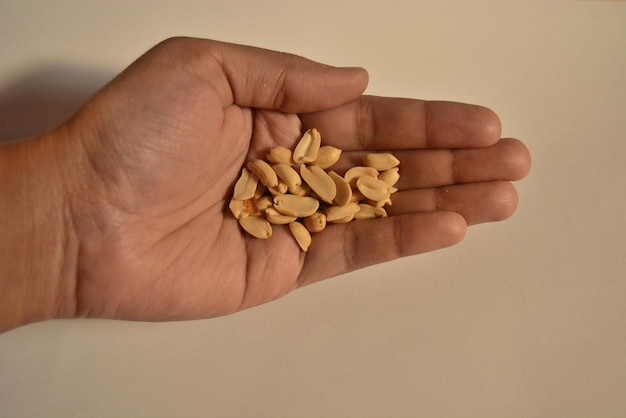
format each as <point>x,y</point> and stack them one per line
<point>163,144</point>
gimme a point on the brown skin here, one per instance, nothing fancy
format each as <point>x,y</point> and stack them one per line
<point>121,212</point>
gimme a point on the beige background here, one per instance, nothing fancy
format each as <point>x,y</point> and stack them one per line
<point>525,318</point>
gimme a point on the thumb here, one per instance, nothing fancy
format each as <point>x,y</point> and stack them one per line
<point>261,78</point>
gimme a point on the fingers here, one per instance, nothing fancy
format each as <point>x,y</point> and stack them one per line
<point>476,202</point>
<point>342,248</point>
<point>380,123</point>
<point>420,221</point>
<point>260,78</point>
<point>508,160</point>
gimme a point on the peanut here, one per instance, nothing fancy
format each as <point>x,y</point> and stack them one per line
<point>370,212</point>
<point>256,226</point>
<point>390,176</point>
<point>327,156</point>
<point>381,162</point>
<point>275,217</point>
<point>316,222</point>
<point>279,155</point>
<point>343,196</point>
<point>288,175</point>
<point>319,181</point>
<point>299,206</point>
<point>308,147</point>
<point>301,234</point>
<point>341,214</point>
<point>299,190</point>
<point>238,208</point>
<point>264,172</point>
<point>353,174</point>
<point>246,185</point>
<point>372,188</point>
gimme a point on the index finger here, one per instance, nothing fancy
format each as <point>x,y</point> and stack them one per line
<point>383,123</point>
<point>261,78</point>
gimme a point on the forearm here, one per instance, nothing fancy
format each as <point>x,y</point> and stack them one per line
<point>37,247</point>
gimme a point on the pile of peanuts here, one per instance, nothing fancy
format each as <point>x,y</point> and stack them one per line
<point>299,189</point>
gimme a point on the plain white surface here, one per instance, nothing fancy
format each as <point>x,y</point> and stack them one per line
<point>525,318</point>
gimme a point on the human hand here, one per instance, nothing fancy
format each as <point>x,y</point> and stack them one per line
<point>163,144</point>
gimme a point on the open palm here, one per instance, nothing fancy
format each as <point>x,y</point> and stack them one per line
<point>165,141</point>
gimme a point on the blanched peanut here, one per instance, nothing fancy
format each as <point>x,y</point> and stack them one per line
<point>301,234</point>
<point>316,222</point>
<point>280,189</point>
<point>319,181</point>
<point>301,190</point>
<point>256,226</point>
<point>372,188</point>
<point>288,175</point>
<point>246,185</point>
<point>341,214</point>
<point>238,208</point>
<point>298,190</point>
<point>390,176</point>
<point>263,203</point>
<point>353,174</point>
<point>279,155</point>
<point>264,172</point>
<point>343,196</point>
<point>381,161</point>
<point>308,147</point>
<point>275,217</point>
<point>370,212</point>
<point>299,206</point>
<point>327,156</point>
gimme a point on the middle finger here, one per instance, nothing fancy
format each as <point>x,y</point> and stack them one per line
<point>386,123</point>
<point>507,160</point>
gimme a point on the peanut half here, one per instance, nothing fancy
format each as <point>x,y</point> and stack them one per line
<point>308,147</point>
<point>343,194</point>
<point>301,234</point>
<point>264,172</point>
<point>319,181</point>
<point>279,155</point>
<point>381,162</point>
<point>277,218</point>
<point>369,212</point>
<point>315,223</point>
<point>373,188</point>
<point>238,208</point>
<point>299,189</point>
<point>256,226</point>
<point>353,174</point>
<point>327,156</point>
<point>246,185</point>
<point>288,175</point>
<point>342,214</point>
<point>390,176</point>
<point>299,206</point>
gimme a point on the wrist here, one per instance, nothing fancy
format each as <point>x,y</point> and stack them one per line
<point>38,247</point>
